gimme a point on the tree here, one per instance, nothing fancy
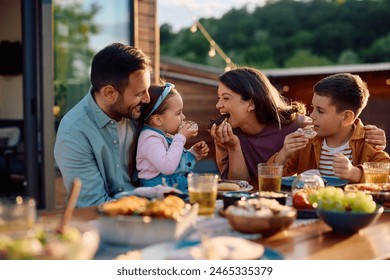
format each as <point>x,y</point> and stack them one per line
<point>73,27</point>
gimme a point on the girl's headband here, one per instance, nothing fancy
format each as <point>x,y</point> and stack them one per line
<point>167,90</point>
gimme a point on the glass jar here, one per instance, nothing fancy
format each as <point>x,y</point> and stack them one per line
<point>306,182</point>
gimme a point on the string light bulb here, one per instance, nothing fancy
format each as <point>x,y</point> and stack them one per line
<point>212,51</point>
<point>214,48</point>
<point>194,28</point>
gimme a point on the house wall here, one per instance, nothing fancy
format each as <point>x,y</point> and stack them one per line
<point>147,32</point>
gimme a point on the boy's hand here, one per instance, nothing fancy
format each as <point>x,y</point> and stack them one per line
<point>292,143</point>
<point>344,169</point>
<point>201,149</point>
<point>375,136</point>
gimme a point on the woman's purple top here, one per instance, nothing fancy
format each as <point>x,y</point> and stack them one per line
<point>259,148</point>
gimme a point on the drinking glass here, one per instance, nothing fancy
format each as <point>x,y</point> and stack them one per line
<point>270,177</point>
<point>17,213</point>
<point>376,172</point>
<point>202,188</point>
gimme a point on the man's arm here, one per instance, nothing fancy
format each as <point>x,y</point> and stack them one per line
<point>75,158</point>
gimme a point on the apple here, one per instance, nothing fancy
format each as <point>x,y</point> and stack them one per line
<point>301,201</point>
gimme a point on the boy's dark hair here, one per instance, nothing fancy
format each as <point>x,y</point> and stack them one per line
<point>346,92</point>
<point>113,65</point>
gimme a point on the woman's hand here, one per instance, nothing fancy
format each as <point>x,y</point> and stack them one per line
<point>223,134</point>
<point>375,136</point>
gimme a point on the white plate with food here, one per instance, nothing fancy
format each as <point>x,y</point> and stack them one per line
<point>221,247</point>
<point>233,186</point>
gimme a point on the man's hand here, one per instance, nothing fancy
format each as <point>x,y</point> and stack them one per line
<point>375,136</point>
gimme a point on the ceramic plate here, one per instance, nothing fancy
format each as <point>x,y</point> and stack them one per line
<point>329,181</point>
<point>244,186</point>
<point>163,250</point>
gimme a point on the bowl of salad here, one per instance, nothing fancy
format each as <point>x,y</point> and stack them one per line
<point>78,241</point>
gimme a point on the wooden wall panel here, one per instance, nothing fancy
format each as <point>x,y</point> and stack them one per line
<point>147,32</point>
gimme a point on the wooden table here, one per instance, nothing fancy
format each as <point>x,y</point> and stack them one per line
<point>314,241</point>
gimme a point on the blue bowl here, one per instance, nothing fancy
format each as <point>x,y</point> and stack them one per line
<point>349,222</point>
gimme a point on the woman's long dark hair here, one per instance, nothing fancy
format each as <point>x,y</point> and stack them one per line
<point>270,106</point>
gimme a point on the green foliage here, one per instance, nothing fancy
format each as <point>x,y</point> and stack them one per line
<point>306,58</point>
<point>73,27</point>
<point>285,33</point>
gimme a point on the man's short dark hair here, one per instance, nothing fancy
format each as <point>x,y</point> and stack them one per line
<point>113,65</point>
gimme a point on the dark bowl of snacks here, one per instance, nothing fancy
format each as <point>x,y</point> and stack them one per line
<point>231,198</point>
<point>278,196</point>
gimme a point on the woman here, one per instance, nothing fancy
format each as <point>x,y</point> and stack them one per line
<point>258,119</point>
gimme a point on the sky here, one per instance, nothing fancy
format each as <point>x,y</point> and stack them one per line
<point>179,13</point>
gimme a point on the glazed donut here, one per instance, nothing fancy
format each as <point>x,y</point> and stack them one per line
<point>308,131</point>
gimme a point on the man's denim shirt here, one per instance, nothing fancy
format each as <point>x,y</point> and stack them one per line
<point>87,147</point>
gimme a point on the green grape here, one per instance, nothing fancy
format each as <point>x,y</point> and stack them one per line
<point>363,204</point>
<point>314,197</point>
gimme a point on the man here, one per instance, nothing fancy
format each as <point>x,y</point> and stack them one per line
<point>96,139</point>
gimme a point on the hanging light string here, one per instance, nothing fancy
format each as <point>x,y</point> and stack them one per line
<point>214,47</point>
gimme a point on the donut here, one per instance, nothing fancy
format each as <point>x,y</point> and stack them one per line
<point>308,131</point>
<point>193,125</point>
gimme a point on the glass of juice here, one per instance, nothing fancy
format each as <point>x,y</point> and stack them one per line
<point>376,172</point>
<point>17,213</point>
<point>202,188</point>
<point>270,177</point>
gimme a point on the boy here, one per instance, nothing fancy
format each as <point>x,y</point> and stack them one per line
<point>339,148</point>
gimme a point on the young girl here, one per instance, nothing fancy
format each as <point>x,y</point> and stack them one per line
<point>161,153</point>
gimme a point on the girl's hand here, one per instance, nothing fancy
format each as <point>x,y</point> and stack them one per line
<point>344,169</point>
<point>201,149</point>
<point>375,136</point>
<point>188,131</point>
<point>223,134</point>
